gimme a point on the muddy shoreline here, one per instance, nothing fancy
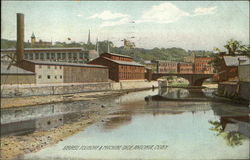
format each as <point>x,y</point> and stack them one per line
<point>14,147</point>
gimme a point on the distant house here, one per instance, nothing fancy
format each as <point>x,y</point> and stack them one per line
<point>244,69</point>
<point>229,68</point>
<point>244,78</point>
<point>120,67</point>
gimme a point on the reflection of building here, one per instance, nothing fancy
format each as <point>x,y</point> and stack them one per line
<point>201,65</point>
<point>236,124</point>
<point>73,55</point>
<point>39,43</point>
<point>120,67</point>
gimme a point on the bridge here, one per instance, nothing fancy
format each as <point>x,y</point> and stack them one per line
<point>195,79</point>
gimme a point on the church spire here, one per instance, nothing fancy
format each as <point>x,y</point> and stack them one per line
<point>89,42</point>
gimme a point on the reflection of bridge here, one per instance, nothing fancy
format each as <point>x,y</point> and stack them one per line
<point>195,79</point>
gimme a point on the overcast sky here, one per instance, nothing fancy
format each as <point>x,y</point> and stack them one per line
<point>189,25</point>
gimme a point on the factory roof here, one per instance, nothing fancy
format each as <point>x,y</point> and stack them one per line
<point>41,49</point>
<point>133,63</point>
<point>65,64</point>
<point>234,60</point>
<point>13,70</point>
<point>120,55</point>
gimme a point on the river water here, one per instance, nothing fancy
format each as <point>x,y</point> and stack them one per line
<point>161,124</point>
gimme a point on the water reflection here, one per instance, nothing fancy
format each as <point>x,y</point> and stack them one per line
<point>234,130</point>
<point>186,126</point>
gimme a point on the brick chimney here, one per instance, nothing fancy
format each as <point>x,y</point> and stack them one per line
<point>20,37</point>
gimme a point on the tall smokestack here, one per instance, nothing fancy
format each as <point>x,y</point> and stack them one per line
<point>20,37</point>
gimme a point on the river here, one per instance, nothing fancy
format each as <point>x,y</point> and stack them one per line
<point>161,124</point>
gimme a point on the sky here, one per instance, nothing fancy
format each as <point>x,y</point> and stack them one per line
<point>193,25</point>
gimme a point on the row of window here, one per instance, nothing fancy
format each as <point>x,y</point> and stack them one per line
<point>54,55</point>
<point>50,77</point>
<point>120,58</point>
<point>49,66</point>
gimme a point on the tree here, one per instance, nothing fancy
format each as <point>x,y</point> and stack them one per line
<point>233,46</point>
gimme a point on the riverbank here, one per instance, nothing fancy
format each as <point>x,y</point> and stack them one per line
<point>15,91</point>
<point>13,147</point>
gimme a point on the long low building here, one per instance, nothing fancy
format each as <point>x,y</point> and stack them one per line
<point>71,55</point>
<point>58,72</point>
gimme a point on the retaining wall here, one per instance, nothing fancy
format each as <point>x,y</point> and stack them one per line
<point>42,90</point>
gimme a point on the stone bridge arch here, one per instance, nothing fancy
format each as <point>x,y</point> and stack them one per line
<point>194,78</point>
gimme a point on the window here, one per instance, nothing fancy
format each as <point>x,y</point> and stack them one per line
<point>58,55</point>
<point>55,67</point>
<point>40,76</point>
<point>26,56</point>
<point>60,76</point>
<point>37,55</point>
<point>60,67</point>
<point>52,55</point>
<point>48,67</point>
<point>55,77</point>
<point>70,55</point>
<point>81,55</point>
<point>41,56</point>
<point>48,55</point>
<point>31,56</point>
<point>48,76</point>
<point>63,55</point>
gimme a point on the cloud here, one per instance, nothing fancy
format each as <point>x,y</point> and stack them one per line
<point>163,13</point>
<point>108,15</point>
<point>204,11</point>
<point>115,23</point>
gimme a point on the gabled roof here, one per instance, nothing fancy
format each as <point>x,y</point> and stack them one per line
<point>13,70</point>
<point>65,64</point>
<point>133,63</point>
<point>120,55</point>
<point>233,60</point>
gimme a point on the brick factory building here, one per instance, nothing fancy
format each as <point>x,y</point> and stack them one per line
<point>120,67</point>
<point>184,67</point>
<point>58,72</point>
<point>201,65</point>
<point>166,66</point>
<point>71,55</point>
